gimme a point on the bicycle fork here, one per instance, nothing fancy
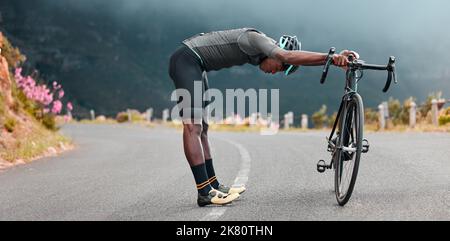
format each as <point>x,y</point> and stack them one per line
<point>333,146</point>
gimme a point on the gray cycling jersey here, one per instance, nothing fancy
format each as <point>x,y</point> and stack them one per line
<point>223,49</point>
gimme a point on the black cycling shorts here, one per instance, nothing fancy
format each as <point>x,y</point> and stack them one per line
<point>185,68</point>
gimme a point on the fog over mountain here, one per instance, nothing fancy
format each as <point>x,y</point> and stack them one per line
<point>111,55</point>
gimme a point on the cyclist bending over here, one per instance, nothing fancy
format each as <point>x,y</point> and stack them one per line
<point>223,49</point>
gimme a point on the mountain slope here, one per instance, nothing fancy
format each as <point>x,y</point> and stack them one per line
<point>22,137</point>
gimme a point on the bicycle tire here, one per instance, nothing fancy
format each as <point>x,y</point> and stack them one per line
<point>351,127</point>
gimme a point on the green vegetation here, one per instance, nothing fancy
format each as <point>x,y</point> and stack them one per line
<point>31,108</point>
<point>98,121</point>
<point>122,117</point>
<point>9,125</point>
<point>445,118</point>
<point>2,107</point>
<point>28,132</point>
<point>331,119</point>
<point>320,117</point>
<point>12,54</point>
<point>33,145</point>
<point>370,116</point>
<point>227,128</point>
<point>425,108</point>
<point>136,116</point>
<point>49,122</point>
<point>400,113</point>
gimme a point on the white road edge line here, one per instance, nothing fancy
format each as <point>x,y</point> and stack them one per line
<point>240,180</point>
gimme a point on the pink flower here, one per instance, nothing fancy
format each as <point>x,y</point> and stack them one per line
<point>18,72</point>
<point>28,81</point>
<point>56,86</point>
<point>69,106</point>
<point>61,94</point>
<point>41,94</point>
<point>47,100</point>
<point>67,118</point>
<point>57,107</point>
<point>18,75</point>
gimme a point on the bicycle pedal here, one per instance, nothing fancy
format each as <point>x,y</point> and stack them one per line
<point>365,146</point>
<point>322,166</point>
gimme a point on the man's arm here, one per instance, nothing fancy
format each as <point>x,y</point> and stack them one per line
<point>300,57</point>
<point>312,58</point>
<point>268,47</point>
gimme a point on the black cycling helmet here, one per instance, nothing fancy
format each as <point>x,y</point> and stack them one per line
<point>289,43</point>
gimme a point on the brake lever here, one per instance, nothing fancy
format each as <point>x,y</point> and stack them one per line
<point>391,73</point>
<point>388,82</point>
<point>392,65</point>
<point>328,62</point>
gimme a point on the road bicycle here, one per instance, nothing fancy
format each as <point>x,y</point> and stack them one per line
<point>346,141</point>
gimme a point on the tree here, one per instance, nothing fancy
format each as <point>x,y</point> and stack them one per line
<point>320,117</point>
<point>12,54</point>
<point>426,106</point>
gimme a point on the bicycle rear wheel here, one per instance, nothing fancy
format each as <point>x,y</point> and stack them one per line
<point>350,147</point>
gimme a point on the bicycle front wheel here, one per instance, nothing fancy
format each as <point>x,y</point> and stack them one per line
<point>349,148</point>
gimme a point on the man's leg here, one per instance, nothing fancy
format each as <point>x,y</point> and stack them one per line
<point>205,142</point>
<point>193,151</point>
<point>208,158</point>
<point>207,152</point>
<point>192,144</point>
<point>184,70</point>
<point>210,168</point>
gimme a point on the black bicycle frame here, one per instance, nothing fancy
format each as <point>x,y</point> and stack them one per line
<point>353,75</point>
<point>351,87</point>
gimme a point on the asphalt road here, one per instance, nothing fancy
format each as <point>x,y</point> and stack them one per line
<point>134,173</point>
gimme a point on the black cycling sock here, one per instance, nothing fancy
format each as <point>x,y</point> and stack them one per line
<point>211,174</point>
<point>201,179</point>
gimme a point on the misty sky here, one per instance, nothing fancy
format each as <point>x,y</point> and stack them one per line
<point>414,31</point>
<point>148,31</point>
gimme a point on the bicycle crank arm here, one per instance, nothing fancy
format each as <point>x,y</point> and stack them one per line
<point>331,144</point>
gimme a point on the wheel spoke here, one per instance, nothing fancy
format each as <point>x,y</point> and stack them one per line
<point>345,180</point>
<point>352,122</point>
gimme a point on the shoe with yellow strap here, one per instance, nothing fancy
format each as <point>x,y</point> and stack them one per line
<point>216,197</point>
<point>225,189</point>
<point>231,190</point>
